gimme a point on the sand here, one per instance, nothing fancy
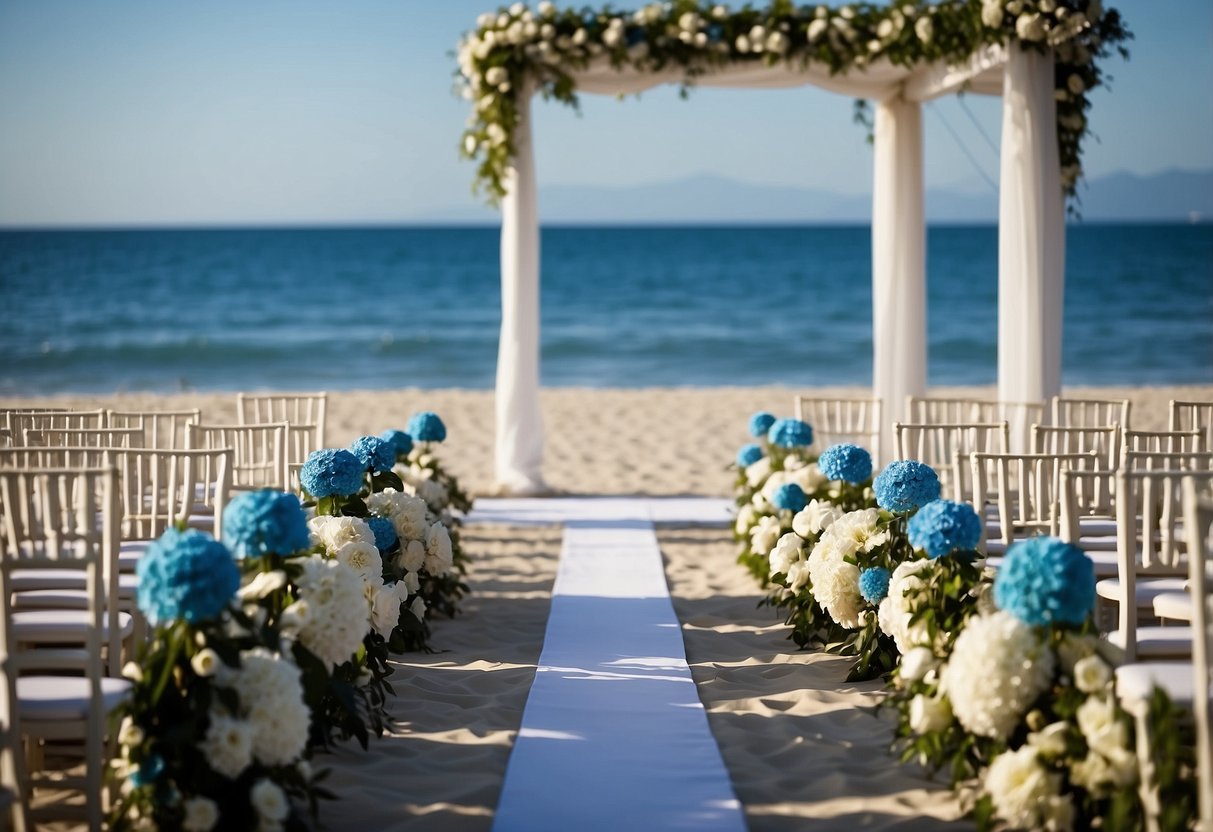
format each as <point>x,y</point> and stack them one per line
<point>798,742</point>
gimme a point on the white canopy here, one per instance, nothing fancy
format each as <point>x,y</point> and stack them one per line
<point>1031,238</point>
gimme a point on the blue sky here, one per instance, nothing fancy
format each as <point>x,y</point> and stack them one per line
<point>173,112</point>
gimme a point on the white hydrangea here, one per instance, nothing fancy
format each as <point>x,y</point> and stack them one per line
<point>765,534</point>
<point>335,532</point>
<point>894,613</point>
<point>331,617</point>
<point>836,588</point>
<point>271,695</point>
<point>412,556</point>
<point>787,551</point>
<point>407,512</point>
<point>201,814</point>
<point>1020,786</point>
<point>998,668</point>
<point>857,531</point>
<point>228,744</point>
<point>439,557</point>
<point>362,558</point>
<point>815,518</point>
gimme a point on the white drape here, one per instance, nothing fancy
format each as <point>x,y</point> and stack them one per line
<point>899,287</point>
<point>1031,236</point>
<point>519,421</point>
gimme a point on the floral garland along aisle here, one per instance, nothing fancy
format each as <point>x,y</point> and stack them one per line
<point>998,678</point>
<point>273,643</point>
<point>516,49</point>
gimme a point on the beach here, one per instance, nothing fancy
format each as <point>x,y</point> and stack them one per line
<point>797,741</point>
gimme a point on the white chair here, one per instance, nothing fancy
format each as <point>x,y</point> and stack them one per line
<point>161,428</point>
<point>1186,683</point>
<point>946,448</point>
<point>19,420</point>
<point>64,520</point>
<point>1018,415</point>
<point>1197,416</point>
<point>298,409</point>
<point>857,421</point>
<point>86,437</point>
<point>1162,441</point>
<point>1150,560</point>
<point>259,452</point>
<point>1172,461</point>
<point>1083,413</point>
<point>1103,440</point>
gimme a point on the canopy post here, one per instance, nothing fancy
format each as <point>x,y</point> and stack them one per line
<point>1031,237</point>
<point>899,295</point>
<point>519,426</point>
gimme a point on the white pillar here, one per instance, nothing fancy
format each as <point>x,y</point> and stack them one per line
<point>899,290</point>
<point>519,422</point>
<point>1031,236</point>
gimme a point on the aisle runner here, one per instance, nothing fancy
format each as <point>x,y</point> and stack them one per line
<point>614,736</point>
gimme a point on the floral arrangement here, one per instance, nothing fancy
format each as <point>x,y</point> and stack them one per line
<point>214,734</point>
<point>515,51</point>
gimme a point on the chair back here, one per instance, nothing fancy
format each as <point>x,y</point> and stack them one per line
<point>259,452</point>
<point>1104,441</point>
<point>1163,441</point>
<point>53,456</point>
<point>161,428</point>
<point>298,409</point>
<point>20,420</point>
<point>1086,495</point>
<point>1198,526</point>
<point>86,437</point>
<point>1197,416</point>
<point>1090,413</point>
<point>160,488</point>
<point>1025,490</point>
<point>946,448</point>
<point>834,421</point>
<point>1179,461</point>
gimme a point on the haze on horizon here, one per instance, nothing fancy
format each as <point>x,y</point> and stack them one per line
<point>139,112</point>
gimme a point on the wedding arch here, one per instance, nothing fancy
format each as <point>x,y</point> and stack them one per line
<point>1041,56</point>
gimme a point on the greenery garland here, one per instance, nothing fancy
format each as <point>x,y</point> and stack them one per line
<point>516,49</point>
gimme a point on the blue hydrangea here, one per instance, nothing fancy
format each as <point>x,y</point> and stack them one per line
<point>401,441</point>
<point>385,533</point>
<point>789,497</point>
<point>905,485</point>
<point>790,433</point>
<point>186,576</point>
<point>332,472</point>
<point>943,526</point>
<point>427,427</point>
<point>874,584</point>
<point>148,771</point>
<point>257,523</point>
<point>1046,581</point>
<point>748,455</point>
<point>849,463</point>
<point>760,423</point>
<point>375,453</point>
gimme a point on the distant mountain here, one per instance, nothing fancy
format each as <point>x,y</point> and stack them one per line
<point>1174,195</point>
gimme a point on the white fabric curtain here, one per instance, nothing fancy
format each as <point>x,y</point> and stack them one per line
<point>899,286</point>
<point>519,421</point>
<point>1031,236</point>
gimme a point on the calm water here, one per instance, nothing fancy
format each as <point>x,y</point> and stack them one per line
<point>384,308</point>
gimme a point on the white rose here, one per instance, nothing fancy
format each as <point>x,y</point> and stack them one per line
<point>1101,726</point>
<point>924,27</point>
<point>846,13</point>
<point>991,13</point>
<point>764,535</point>
<point>689,21</point>
<point>580,37</point>
<point>745,518</point>
<point>798,576</point>
<point>1091,674</point>
<point>129,733</point>
<point>486,20</point>
<point>815,518</point>
<point>758,471</point>
<point>1047,6</point>
<point>777,42</point>
<point>1030,27</point>
<point>742,44</point>
<point>1050,741</point>
<point>417,608</point>
<point>269,800</point>
<point>205,662</point>
<point>385,608</point>
<point>1018,786</point>
<point>363,558</point>
<point>412,556</point>
<point>786,552</point>
<point>809,478</point>
<point>201,814</point>
<point>262,585</point>
<point>929,714</point>
<point>817,28</point>
<point>228,745</point>
<point>438,552</point>
<point>469,144</point>
<point>546,8</point>
<point>1075,84</point>
<point>884,28</point>
<point>916,663</point>
<point>517,9</point>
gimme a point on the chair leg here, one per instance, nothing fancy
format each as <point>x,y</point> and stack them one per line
<point>1148,789</point>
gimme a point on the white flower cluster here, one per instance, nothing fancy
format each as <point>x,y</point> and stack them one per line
<point>788,557</point>
<point>424,540</point>
<point>1037,21</point>
<point>331,616</point>
<point>998,667</point>
<point>894,614</point>
<point>350,541</point>
<point>1025,793</point>
<point>831,565</point>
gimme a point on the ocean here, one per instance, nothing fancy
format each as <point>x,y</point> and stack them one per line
<point>375,308</point>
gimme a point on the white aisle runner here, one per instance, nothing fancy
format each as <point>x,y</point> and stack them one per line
<point>614,736</point>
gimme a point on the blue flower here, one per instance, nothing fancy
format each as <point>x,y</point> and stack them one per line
<point>148,770</point>
<point>1046,581</point>
<point>943,526</point>
<point>427,427</point>
<point>257,523</point>
<point>748,455</point>
<point>906,484</point>
<point>789,497</point>
<point>849,463</point>
<point>331,471</point>
<point>790,433</point>
<point>374,453</point>
<point>385,532</point>
<point>186,576</point>
<point>760,423</point>
<point>401,441</point>
<point>874,584</point>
